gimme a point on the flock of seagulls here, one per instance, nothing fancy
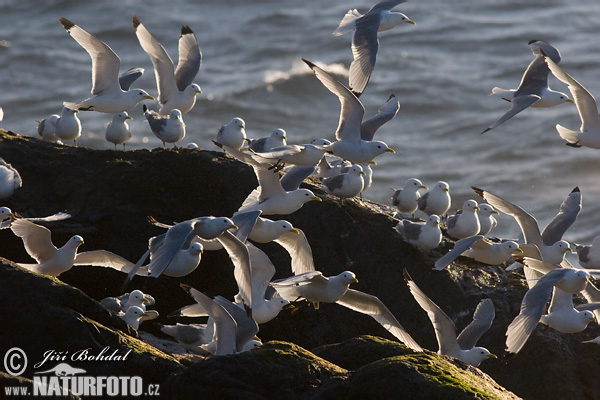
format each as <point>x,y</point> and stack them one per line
<point>344,166</point>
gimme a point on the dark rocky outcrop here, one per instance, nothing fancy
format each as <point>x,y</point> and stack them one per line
<point>110,194</point>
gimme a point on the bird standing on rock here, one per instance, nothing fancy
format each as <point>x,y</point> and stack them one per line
<point>169,129</point>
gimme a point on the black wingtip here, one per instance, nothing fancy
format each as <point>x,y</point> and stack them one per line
<point>478,191</point>
<point>144,108</point>
<point>407,277</point>
<point>310,64</point>
<point>487,129</point>
<point>185,287</point>
<point>136,22</point>
<point>532,41</point>
<point>219,145</point>
<point>391,96</point>
<point>357,94</point>
<point>186,30</point>
<point>575,190</point>
<point>66,23</point>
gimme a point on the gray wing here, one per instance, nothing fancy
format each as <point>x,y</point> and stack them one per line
<point>293,177</point>
<point>299,249</point>
<point>245,222</point>
<point>459,247</point>
<point>105,258</point>
<point>412,230</point>
<point>372,306</point>
<point>128,77</point>
<point>482,320</point>
<point>549,50</point>
<point>385,5</point>
<point>527,223</point>
<point>569,210</point>
<point>238,252</point>
<point>258,145</point>
<point>452,220</point>
<point>535,78</point>
<point>364,50</point>
<point>352,111</point>
<point>445,331</point>
<point>164,250</point>
<point>246,327</point>
<point>422,202</point>
<point>335,182</point>
<point>155,121</point>
<point>298,279</point>
<point>386,113</point>
<point>518,104</point>
<point>190,58</point>
<point>532,308</point>
<point>583,253</point>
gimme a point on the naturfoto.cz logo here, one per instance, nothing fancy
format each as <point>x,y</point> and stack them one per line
<point>64,379</point>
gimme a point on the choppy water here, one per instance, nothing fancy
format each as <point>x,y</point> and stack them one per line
<point>442,71</point>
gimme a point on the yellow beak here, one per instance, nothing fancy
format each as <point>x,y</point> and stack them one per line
<point>389,150</point>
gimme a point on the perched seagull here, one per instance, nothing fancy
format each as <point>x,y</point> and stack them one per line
<point>532,307</point>
<point>47,128</point>
<point>10,180</point>
<point>316,288</point>
<point>385,114</point>
<point>589,256</point>
<point>170,129</point>
<point>464,223</point>
<point>437,200</point>
<point>463,346</point>
<point>176,89</point>
<point>108,97</point>
<point>346,185</point>
<point>424,235</point>
<point>563,317</point>
<point>278,138</point>
<point>349,145</point>
<point>54,261</point>
<point>133,317</point>
<point>550,249</point>
<point>233,134</point>
<point>118,131</point>
<point>68,126</point>
<point>269,196</point>
<point>486,218</point>
<point>589,132</point>
<point>481,250</point>
<point>407,198</point>
<point>5,217</point>
<point>533,90</point>
<point>136,298</point>
<point>364,42</point>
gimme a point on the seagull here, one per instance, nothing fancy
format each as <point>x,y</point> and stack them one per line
<point>532,307</point>
<point>589,256</point>
<point>407,198</point>
<point>122,303</point>
<point>133,316</point>
<point>269,196</point>
<point>47,128</point>
<point>549,245</point>
<point>424,235</point>
<point>365,42</point>
<point>232,328</point>
<point>463,346</point>
<point>437,200</point>
<point>481,250</point>
<point>190,336</point>
<point>263,145</point>
<point>118,131</point>
<point>486,218</point>
<point>301,155</point>
<point>6,213</point>
<point>233,134</point>
<point>316,288</point>
<point>169,129</point>
<point>533,90</point>
<point>349,145</point>
<point>185,261</point>
<point>464,223</point>
<point>68,126</point>
<point>108,97</point>
<point>589,132</point>
<point>176,89</point>
<point>563,317</point>
<point>54,261</point>
<point>10,180</point>
<point>346,185</point>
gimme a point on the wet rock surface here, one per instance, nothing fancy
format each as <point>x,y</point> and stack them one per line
<point>111,193</point>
